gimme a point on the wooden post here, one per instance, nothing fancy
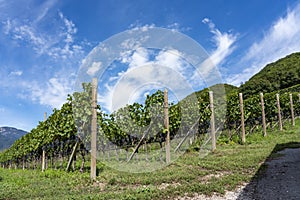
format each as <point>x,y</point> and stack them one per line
<point>263,113</point>
<point>94,129</point>
<point>23,163</point>
<point>292,110</point>
<point>44,153</point>
<point>212,121</point>
<point>279,112</point>
<point>166,124</point>
<point>242,118</point>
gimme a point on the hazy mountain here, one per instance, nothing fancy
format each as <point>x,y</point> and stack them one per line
<point>8,135</point>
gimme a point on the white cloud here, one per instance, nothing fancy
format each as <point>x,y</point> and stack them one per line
<point>224,47</point>
<point>48,37</point>
<point>7,26</point>
<point>140,57</point>
<point>57,91</point>
<point>130,44</point>
<point>71,28</point>
<point>177,27</point>
<point>174,27</point>
<point>281,39</point>
<point>53,94</point>
<point>171,58</point>
<point>135,82</point>
<point>106,98</point>
<point>149,69</point>
<point>94,68</point>
<point>146,71</point>
<point>27,33</point>
<point>137,26</point>
<point>209,69</point>
<point>56,41</point>
<point>44,9</point>
<point>16,73</point>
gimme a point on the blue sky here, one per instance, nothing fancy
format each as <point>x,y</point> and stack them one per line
<point>43,43</point>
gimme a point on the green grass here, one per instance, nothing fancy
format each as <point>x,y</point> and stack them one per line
<point>229,166</point>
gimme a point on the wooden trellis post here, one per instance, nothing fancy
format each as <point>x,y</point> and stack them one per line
<point>263,114</point>
<point>242,118</point>
<point>279,112</point>
<point>44,152</point>
<point>166,124</point>
<point>292,110</point>
<point>94,129</point>
<point>212,121</point>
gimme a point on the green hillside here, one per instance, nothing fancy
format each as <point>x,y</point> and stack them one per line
<point>279,75</point>
<point>218,88</point>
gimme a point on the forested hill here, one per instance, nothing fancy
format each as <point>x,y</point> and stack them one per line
<point>282,74</point>
<point>279,75</point>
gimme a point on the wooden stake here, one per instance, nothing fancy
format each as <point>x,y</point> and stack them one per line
<point>263,114</point>
<point>242,118</point>
<point>212,121</point>
<point>72,156</point>
<point>94,129</point>
<point>192,130</point>
<point>279,112</point>
<point>140,143</point>
<point>292,110</point>
<point>166,123</point>
<point>44,153</point>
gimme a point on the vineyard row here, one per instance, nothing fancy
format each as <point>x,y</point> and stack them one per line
<point>63,137</point>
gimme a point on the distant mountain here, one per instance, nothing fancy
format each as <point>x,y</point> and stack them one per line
<point>279,75</point>
<point>8,135</point>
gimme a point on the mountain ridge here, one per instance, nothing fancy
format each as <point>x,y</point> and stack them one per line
<point>8,135</point>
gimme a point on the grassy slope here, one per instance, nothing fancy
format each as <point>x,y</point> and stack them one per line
<point>231,165</point>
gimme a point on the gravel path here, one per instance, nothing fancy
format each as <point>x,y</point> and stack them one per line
<point>281,180</point>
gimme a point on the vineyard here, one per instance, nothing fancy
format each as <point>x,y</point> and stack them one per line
<point>138,131</point>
